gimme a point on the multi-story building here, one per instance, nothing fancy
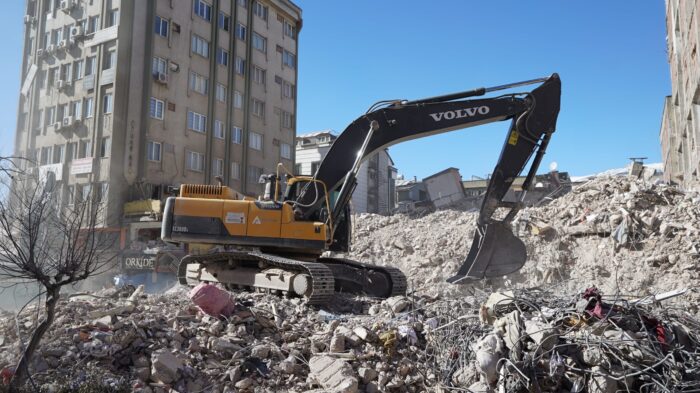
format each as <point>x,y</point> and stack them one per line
<point>376,179</point>
<point>126,97</point>
<point>680,126</point>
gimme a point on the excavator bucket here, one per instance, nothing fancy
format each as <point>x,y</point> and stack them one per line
<point>494,252</point>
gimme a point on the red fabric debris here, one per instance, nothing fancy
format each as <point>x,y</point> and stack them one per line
<point>7,374</point>
<point>595,304</point>
<point>212,300</point>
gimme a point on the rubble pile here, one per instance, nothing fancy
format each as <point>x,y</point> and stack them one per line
<point>607,302</point>
<point>532,340</point>
<point>611,232</point>
<point>165,343</point>
<point>621,235</point>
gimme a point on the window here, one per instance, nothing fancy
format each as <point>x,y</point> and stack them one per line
<point>93,24</point>
<point>89,104</point>
<point>46,155</point>
<point>66,72</point>
<point>159,66</point>
<point>287,90</point>
<point>255,141</point>
<point>290,30</point>
<point>235,170</point>
<point>287,119</point>
<point>161,26</point>
<point>77,109</point>
<point>240,31</point>
<point>199,83</point>
<point>217,167</point>
<point>259,42</point>
<point>288,59</point>
<point>259,75</point>
<point>220,92</point>
<point>70,195</point>
<point>50,115</point>
<point>112,18</point>
<point>56,36</point>
<point>219,129</point>
<point>72,151</point>
<point>297,169</point>
<point>89,65</point>
<point>222,57</point>
<point>200,46</point>
<point>286,151</point>
<point>63,111</point>
<point>260,10</point>
<point>156,108</point>
<point>153,151</point>
<point>254,174</point>
<point>105,147</point>
<point>85,191</point>
<point>47,39</point>
<point>196,121</point>
<point>243,3</point>
<point>78,70</point>
<point>314,167</point>
<point>240,65</point>
<point>110,60</point>
<point>195,161</point>
<point>58,152</point>
<point>107,103</point>
<point>237,135</point>
<point>237,99</point>
<point>85,149</point>
<point>202,10</point>
<point>224,21</point>
<point>103,191</point>
<point>258,108</point>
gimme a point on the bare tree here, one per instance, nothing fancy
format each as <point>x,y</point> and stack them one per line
<point>48,244</point>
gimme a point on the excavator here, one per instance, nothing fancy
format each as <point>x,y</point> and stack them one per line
<point>276,243</point>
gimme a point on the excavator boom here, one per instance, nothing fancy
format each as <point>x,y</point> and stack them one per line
<point>495,250</point>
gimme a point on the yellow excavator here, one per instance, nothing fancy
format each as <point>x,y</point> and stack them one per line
<point>275,243</point>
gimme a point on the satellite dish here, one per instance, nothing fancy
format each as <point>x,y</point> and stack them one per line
<point>553,166</point>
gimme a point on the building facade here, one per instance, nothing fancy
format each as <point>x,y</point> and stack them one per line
<point>680,126</point>
<point>376,180</point>
<point>127,97</point>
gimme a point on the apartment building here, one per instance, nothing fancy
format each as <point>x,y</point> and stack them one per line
<point>376,180</point>
<point>127,97</point>
<point>680,125</point>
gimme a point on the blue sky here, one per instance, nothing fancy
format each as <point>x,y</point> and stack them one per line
<point>610,55</point>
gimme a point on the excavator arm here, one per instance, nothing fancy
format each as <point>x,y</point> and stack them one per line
<point>495,250</point>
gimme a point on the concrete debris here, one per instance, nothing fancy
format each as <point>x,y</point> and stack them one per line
<point>334,375</point>
<point>545,328</point>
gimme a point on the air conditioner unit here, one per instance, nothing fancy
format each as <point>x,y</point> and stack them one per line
<point>174,67</point>
<point>62,44</point>
<point>56,126</point>
<point>77,120</point>
<point>66,5</point>
<point>72,42</point>
<point>50,49</point>
<point>39,53</point>
<point>162,78</point>
<point>76,31</point>
<point>68,83</point>
<point>29,19</point>
<point>67,121</point>
<point>59,84</point>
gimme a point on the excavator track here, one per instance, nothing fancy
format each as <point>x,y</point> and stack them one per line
<point>208,268</point>
<point>325,276</point>
<point>393,279</point>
